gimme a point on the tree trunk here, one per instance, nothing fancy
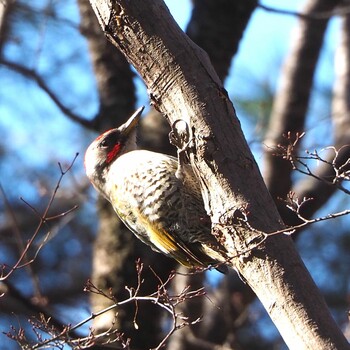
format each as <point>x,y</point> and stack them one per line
<point>182,84</point>
<point>217,27</point>
<point>291,103</point>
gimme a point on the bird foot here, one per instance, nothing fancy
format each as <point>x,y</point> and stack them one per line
<point>181,137</point>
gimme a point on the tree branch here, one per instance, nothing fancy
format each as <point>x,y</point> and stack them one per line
<point>32,74</point>
<point>318,14</point>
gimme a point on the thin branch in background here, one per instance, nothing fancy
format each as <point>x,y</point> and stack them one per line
<point>340,169</point>
<point>162,297</point>
<point>295,204</point>
<point>292,202</point>
<point>33,75</point>
<point>21,246</point>
<point>340,11</point>
<point>24,260</point>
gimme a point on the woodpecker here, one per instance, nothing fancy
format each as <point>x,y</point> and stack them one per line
<point>162,210</point>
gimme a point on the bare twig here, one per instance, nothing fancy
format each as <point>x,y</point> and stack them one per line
<point>341,169</point>
<point>20,244</point>
<point>294,204</point>
<point>341,11</point>
<point>161,297</point>
<point>24,260</point>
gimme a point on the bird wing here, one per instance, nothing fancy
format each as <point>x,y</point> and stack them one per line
<point>163,211</point>
<point>162,241</point>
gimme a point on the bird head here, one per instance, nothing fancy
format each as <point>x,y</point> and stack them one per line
<point>106,148</point>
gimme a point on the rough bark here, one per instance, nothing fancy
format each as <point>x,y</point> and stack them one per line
<point>291,102</point>
<point>182,83</point>
<point>217,27</point>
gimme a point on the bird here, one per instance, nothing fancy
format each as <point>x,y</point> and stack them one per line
<point>162,210</point>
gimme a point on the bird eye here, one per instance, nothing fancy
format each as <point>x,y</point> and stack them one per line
<point>104,143</point>
<point>108,141</point>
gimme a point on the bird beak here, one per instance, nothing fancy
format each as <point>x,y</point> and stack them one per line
<point>132,122</point>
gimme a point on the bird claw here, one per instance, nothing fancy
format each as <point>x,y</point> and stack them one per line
<point>181,137</point>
